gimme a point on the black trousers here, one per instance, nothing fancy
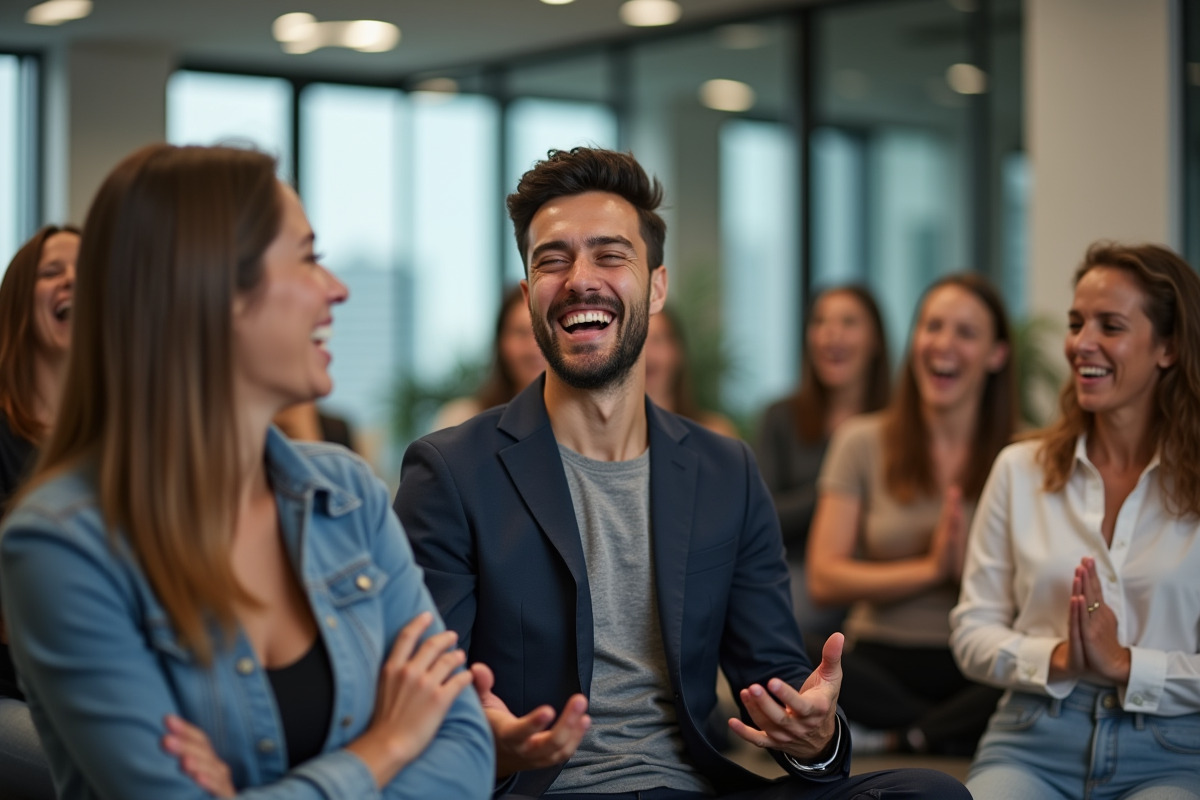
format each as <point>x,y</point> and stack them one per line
<point>896,784</point>
<point>899,688</point>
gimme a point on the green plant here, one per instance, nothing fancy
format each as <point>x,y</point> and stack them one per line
<point>1039,366</point>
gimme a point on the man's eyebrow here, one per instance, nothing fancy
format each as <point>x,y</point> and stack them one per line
<point>557,244</point>
<point>600,241</point>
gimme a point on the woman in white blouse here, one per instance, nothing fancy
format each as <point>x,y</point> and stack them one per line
<point>1081,592</point>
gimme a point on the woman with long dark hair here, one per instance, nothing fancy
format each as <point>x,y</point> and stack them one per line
<point>35,337</point>
<point>897,492</point>
<point>844,372</point>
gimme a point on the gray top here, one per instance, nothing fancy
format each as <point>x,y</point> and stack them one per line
<point>888,529</point>
<point>790,468</point>
<point>634,740</point>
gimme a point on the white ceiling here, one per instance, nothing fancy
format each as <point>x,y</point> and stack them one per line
<point>236,34</point>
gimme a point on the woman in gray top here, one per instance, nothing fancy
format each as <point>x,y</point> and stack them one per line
<point>844,372</point>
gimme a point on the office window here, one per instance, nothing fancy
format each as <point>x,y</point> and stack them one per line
<point>240,110</point>
<point>759,252</point>
<point>19,215</point>
<point>351,184</point>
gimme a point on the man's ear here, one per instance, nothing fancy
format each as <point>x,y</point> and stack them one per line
<point>658,289</point>
<point>525,291</point>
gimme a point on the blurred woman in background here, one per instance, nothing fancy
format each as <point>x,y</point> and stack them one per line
<point>897,492</point>
<point>35,336</point>
<point>669,374</point>
<point>844,372</point>
<point>516,361</point>
<point>197,605</point>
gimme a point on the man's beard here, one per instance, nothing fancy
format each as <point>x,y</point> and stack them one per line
<point>596,370</point>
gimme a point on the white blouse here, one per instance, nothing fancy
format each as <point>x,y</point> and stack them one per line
<point>1024,546</point>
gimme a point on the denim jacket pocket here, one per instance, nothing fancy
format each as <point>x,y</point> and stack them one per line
<point>1018,712</point>
<point>358,581</point>
<point>1177,734</point>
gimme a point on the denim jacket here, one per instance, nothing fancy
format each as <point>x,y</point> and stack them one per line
<point>102,664</point>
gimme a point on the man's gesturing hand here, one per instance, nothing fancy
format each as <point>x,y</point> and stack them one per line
<point>525,742</point>
<point>799,723</point>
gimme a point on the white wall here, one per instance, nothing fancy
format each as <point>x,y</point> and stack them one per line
<point>1099,131</point>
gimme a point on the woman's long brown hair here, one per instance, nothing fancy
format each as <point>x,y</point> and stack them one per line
<point>172,235</point>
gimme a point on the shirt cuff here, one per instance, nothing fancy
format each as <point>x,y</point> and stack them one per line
<point>827,763</point>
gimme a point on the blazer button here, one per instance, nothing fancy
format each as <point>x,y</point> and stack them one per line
<point>245,666</point>
<point>266,746</point>
<point>363,582</point>
<point>331,621</point>
<point>347,721</point>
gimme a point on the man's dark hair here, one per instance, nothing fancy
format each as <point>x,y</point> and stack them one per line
<point>585,169</point>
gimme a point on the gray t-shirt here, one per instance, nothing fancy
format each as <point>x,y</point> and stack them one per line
<point>634,741</point>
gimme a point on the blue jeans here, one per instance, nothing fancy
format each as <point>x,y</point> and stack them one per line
<point>1085,746</point>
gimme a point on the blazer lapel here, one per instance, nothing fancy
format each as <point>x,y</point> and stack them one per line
<point>673,472</point>
<point>535,467</point>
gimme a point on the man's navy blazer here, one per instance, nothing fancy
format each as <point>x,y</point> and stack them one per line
<point>488,510</point>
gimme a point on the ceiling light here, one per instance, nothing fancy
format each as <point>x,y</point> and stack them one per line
<point>966,79</point>
<point>369,35</point>
<point>300,33</point>
<point>724,95</point>
<point>649,13</point>
<point>557,2</point>
<point>293,27</point>
<point>56,12</point>
<point>435,91</point>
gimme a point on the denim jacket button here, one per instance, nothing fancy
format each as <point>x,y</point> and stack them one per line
<point>245,666</point>
<point>266,746</point>
<point>363,582</point>
<point>347,721</point>
<point>331,621</point>
<point>1109,701</point>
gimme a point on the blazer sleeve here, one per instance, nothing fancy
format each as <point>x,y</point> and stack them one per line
<point>430,507</point>
<point>761,637</point>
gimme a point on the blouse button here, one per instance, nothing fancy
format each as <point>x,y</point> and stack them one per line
<point>331,621</point>
<point>266,746</point>
<point>363,582</point>
<point>245,666</point>
<point>1137,699</point>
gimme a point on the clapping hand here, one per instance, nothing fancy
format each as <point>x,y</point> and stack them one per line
<point>1092,647</point>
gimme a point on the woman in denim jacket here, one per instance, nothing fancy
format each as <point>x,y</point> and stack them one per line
<point>197,605</point>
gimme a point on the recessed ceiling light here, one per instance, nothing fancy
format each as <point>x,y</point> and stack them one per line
<point>300,33</point>
<point>725,95</point>
<point>966,79</point>
<point>649,13</point>
<point>558,2</point>
<point>56,12</point>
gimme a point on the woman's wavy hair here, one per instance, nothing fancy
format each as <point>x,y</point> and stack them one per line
<point>1171,292</point>
<point>172,236</point>
<point>908,467</point>
<point>18,336</point>
<point>810,403</point>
